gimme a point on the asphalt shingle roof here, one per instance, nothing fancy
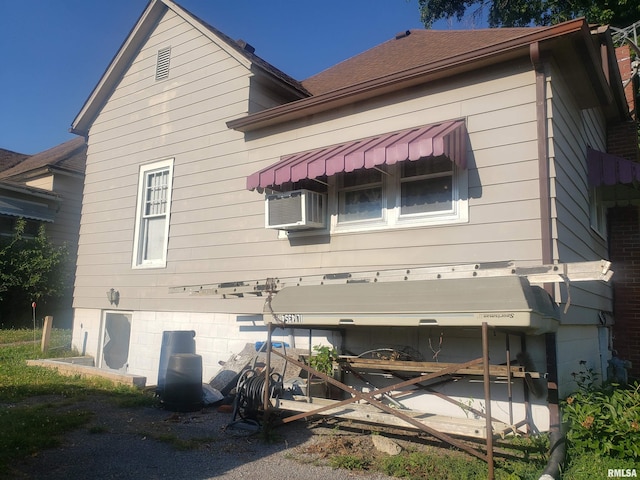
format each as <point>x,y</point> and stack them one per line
<point>70,156</point>
<point>404,52</point>
<point>8,159</point>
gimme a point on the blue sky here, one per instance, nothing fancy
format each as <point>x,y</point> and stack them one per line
<point>55,51</point>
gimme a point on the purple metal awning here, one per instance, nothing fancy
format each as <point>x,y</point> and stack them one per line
<point>447,138</point>
<point>607,169</point>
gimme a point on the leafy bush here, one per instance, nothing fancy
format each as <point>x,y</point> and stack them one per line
<point>323,359</point>
<point>31,269</point>
<point>589,467</point>
<point>603,420</point>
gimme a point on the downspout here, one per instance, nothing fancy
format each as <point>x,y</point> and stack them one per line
<point>557,442</point>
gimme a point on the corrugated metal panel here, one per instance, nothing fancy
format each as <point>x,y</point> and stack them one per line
<point>25,209</point>
<point>509,302</point>
<point>447,138</point>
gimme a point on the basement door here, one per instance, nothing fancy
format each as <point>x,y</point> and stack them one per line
<point>116,333</point>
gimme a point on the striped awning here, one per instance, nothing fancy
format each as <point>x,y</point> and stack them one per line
<point>607,169</point>
<point>446,138</point>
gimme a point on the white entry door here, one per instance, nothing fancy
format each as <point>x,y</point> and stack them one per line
<point>116,334</point>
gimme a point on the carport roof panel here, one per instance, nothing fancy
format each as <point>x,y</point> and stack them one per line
<point>464,302</point>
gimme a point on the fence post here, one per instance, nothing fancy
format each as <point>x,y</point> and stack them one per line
<point>46,332</point>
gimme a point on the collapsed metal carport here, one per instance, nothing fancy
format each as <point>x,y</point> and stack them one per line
<point>503,297</point>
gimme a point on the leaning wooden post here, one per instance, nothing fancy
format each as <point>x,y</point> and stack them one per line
<point>46,333</point>
<point>487,398</point>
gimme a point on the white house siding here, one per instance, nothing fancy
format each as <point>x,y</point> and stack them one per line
<point>577,343</point>
<point>213,338</point>
<point>571,131</point>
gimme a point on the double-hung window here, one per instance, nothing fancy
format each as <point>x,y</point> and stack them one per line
<point>152,218</point>
<point>427,191</point>
<point>426,187</point>
<point>361,197</point>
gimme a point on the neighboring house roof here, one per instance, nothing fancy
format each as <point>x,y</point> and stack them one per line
<point>8,159</point>
<point>21,200</point>
<point>428,55</point>
<point>146,23</point>
<point>69,157</point>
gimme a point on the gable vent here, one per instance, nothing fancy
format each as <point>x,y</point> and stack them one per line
<point>162,66</point>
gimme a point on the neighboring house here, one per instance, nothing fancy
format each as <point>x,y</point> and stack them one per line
<point>47,188</point>
<point>488,134</point>
<point>8,158</point>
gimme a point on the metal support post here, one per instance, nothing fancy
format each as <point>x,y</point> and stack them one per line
<point>267,372</point>
<point>487,398</point>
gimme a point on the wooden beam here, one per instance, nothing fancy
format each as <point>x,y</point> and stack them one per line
<point>422,367</point>
<point>467,427</point>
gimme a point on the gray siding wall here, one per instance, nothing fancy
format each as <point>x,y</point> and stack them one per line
<point>571,131</point>
<point>217,229</point>
<point>499,106</point>
<point>144,121</point>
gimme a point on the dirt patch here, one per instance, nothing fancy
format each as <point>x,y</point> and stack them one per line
<point>151,442</point>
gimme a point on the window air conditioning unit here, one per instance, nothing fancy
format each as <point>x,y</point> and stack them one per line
<point>295,210</point>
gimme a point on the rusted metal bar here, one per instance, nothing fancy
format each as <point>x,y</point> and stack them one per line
<point>369,397</point>
<point>525,390</point>
<point>509,386</point>
<point>487,398</point>
<point>267,371</point>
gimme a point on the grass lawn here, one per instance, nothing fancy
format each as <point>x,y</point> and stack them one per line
<point>38,406</point>
<point>30,397</point>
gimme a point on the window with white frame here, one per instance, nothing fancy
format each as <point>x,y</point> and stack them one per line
<point>427,191</point>
<point>152,217</point>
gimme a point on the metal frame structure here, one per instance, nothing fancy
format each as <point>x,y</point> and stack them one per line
<point>420,371</point>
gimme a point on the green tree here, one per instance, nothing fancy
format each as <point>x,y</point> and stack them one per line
<point>520,13</point>
<point>32,269</point>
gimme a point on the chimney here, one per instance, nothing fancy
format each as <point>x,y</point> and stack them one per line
<point>623,56</point>
<point>404,34</point>
<point>245,46</point>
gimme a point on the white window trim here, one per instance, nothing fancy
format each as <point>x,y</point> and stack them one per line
<point>391,218</point>
<point>136,263</point>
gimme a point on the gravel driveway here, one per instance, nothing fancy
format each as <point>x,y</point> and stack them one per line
<point>151,443</point>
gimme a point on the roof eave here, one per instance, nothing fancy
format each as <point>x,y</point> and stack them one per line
<point>33,191</point>
<point>46,170</point>
<point>119,64</point>
<point>619,106</point>
<point>501,52</point>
